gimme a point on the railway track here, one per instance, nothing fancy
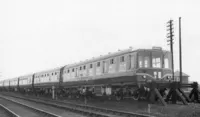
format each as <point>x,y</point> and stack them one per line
<point>5,112</point>
<point>83,109</point>
<point>21,108</point>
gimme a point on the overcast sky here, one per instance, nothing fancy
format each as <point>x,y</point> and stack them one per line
<point>41,34</point>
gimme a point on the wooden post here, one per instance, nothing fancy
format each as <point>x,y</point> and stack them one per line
<point>149,108</point>
<point>180,50</point>
<point>171,34</point>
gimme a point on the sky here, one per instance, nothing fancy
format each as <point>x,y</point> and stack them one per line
<point>36,35</point>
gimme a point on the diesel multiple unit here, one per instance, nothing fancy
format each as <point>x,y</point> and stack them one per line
<point>104,75</point>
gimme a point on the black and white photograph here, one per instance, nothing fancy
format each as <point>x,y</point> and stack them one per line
<point>99,58</point>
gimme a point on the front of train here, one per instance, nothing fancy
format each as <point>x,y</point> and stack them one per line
<point>153,65</point>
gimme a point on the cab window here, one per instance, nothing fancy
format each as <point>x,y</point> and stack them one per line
<point>167,57</point>
<point>156,59</point>
<point>156,62</point>
<point>166,63</point>
<point>144,59</point>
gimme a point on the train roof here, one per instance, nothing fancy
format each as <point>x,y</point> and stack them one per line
<point>119,52</point>
<point>13,79</point>
<point>24,76</point>
<point>109,55</point>
<point>50,70</point>
<point>7,80</point>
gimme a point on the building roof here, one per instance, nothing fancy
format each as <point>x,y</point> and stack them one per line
<point>177,74</point>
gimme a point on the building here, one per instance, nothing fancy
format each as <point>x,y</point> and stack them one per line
<point>185,77</point>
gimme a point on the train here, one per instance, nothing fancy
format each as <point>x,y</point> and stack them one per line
<point>115,74</point>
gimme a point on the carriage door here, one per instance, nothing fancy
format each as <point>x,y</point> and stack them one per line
<point>132,61</point>
<point>104,67</point>
<point>76,72</point>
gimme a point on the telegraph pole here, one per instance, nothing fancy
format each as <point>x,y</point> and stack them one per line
<point>170,35</point>
<point>180,50</point>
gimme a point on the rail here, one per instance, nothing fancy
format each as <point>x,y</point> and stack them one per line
<point>11,113</point>
<point>32,108</point>
<point>93,111</point>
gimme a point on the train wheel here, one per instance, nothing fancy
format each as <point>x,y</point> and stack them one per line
<point>109,98</point>
<point>118,98</point>
<point>136,95</point>
<point>69,96</point>
<point>77,96</point>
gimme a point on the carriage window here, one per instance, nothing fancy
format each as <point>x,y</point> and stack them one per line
<point>146,62</point>
<point>52,74</point>
<point>98,64</point>
<point>73,70</point>
<point>84,67</point>
<point>90,65</point>
<point>76,72</point>
<point>122,59</point>
<point>140,61</point>
<point>55,73</point>
<point>68,71</point>
<point>111,61</point>
<point>80,68</point>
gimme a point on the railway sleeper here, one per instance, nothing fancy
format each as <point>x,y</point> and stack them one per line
<point>32,108</point>
<point>98,110</point>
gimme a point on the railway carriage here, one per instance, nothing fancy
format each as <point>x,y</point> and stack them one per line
<point>1,85</point>
<point>46,80</point>
<point>14,84</point>
<point>106,75</point>
<point>6,85</point>
<point>25,83</point>
<point>98,73</point>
